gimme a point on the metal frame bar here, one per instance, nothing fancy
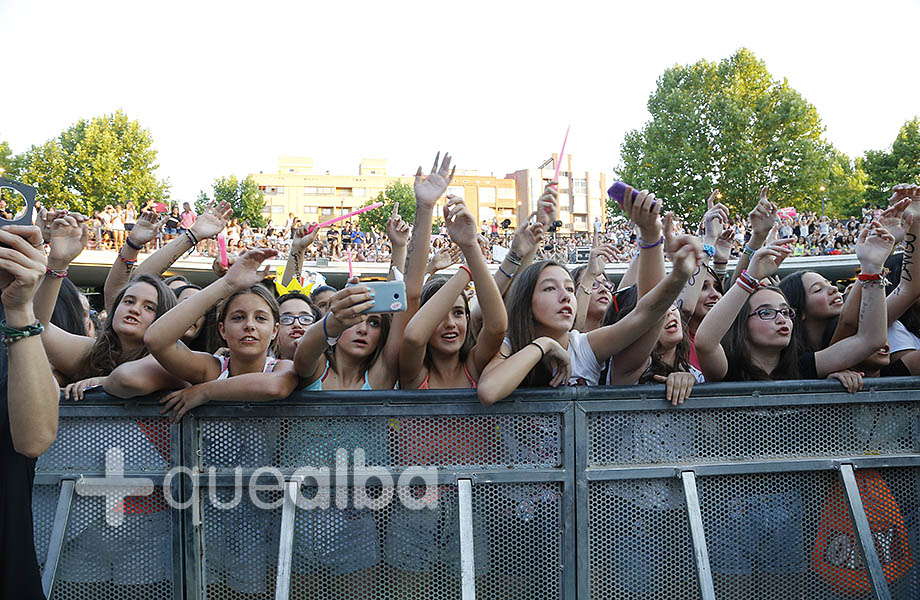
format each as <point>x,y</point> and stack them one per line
<point>467,550</point>
<point>286,541</point>
<point>569,500</point>
<point>700,550</point>
<point>583,568</point>
<point>58,530</point>
<point>192,541</point>
<point>864,540</point>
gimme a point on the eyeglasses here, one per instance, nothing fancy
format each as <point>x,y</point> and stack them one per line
<point>606,284</point>
<point>769,314</point>
<point>302,319</point>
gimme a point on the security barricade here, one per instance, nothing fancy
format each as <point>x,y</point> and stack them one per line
<point>772,490</point>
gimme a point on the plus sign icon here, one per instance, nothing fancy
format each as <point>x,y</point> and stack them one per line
<point>114,487</point>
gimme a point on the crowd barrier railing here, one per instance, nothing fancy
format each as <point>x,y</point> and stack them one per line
<point>761,490</point>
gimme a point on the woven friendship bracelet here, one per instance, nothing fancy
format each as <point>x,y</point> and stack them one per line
<point>13,334</point>
<point>747,283</point>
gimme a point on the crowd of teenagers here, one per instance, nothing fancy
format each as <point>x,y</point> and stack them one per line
<point>533,323</point>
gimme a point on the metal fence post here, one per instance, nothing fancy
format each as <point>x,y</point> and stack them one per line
<point>61,516</point>
<point>864,540</point>
<point>583,563</point>
<point>700,551</point>
<point>467,551</point>
<point>286,541</point>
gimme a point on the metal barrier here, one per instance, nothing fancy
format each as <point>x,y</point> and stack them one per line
<point>797,490</point>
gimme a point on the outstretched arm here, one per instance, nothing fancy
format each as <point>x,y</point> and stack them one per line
<point>303,237</point>
<point>145,230</point>
<point>762,219</point>
<point>163,337</point>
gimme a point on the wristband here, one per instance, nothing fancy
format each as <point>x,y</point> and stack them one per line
<point>749,251</point>
<point>747,283</point>
<point>869,277</point>
<point>513,258</point>
<point>542,351</point>
<point>710,250</point>
<point>131,244</point>
<point>128,261</point>
<point>329,340</point>
<point>467,269</point>
<point>13,334</point>
<point>60,274</point>
<point>643,245</point>
<point>505,273</point>
<point>720,262</point>
<point>720,273</point>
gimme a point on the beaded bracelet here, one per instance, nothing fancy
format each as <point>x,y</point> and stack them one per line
<point>643,245</point>
<point>13,334</point>
<point>747,283</point>
<point>131,244</point>
<point>60,274</point>
<point>709,249</point>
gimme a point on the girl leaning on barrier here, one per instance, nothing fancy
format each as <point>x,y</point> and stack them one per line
<point>28,408</point>
<point>247,321</point>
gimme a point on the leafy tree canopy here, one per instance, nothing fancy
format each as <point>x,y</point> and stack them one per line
<point>730,125</point>
<point>106,160</point>
<point>243,195</point>
<point>396,191</point>
<point>901,164</point>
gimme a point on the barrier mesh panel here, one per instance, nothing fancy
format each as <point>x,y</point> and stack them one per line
<point>780,535</point>
<point>716,435</point>
<point>132,561</point>
<point>892,501</point>
<point>477,442</point>
<point>639,543</point>
<point>82,443</point>
<point>240,542</point>
<point>44,507</point>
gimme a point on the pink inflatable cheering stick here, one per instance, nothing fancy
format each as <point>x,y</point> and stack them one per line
<point>222,245</point>
<point>350,272</point>
<point>561,154</point>
<point>345,216</point>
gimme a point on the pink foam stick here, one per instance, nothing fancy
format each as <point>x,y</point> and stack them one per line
<point>346,215</point>
<point>222,245</point>
<point>350,272</point>
<point>561,153</point>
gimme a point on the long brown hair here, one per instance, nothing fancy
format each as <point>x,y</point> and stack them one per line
<point>521,329</point>
<point>107,352</point>
<point>737,346</point>
<point>430,289</point>
<point>262,292</point>
<point>367,363</point>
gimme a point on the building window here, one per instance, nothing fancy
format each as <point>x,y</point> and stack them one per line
<point>358,192</point>
<point>317,191</point>
<point>309,210</point>
<point>277,209</point>
<point>456,190</point>
<point>487,195</point>
<point>343,191</point>
<point>505,193</point>
<point>326,211</point>
<point>581,186</point>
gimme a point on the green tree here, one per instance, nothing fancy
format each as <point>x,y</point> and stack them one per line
<point>243,195</point>
<point>106,160</point>
<point>395,191</point>
<point>7,168</point>
<point>731,126</point>
<point>900,164</point>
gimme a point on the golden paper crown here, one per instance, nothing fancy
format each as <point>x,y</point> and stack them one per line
<point>294,286</point>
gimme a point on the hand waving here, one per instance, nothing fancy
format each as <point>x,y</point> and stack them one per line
<point>303,237</point>
<point>213,220</point>
<point>244,273</point>
<point>767,260</point>
<point>763,216</point>
<point>715,218</point>
<point>873,248</point>
<point>527,236</point>
<point>429,189</point>
<point>444,258</point>
<point>146,228</point>
<point>460,223</point>
<point>68,238</point>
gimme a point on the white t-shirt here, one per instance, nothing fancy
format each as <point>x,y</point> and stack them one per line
<point>900,338</point>
<point>585,368</point>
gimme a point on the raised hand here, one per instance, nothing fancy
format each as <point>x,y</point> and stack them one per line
<point>244,273</point>
<point>724,246</point>
<point>460,223</point>
<point>527,236</point>
<point>715,218</point>
<point>687,255</point>
<point>429,189</point>
<point>22,265</point>
<point>218,266</point>
<point>347,306</point>
<point>146,228</point>
<point>68,238</point>
<point>444,258</point>
<point>548,205</point>
<point>873,248</point>
<point>303,237</point>
<point>212,221</point>
<point>598,259</point>
<point>763,216</point>
<point>643,210</point>
<point>892,219</point>
<point>397,229</point>
<point>767,260</point>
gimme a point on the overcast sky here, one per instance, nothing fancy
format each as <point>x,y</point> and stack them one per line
<point>227,87</point>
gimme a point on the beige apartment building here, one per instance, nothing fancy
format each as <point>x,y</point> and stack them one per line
<point>582,195</point>
<point>315,197</point>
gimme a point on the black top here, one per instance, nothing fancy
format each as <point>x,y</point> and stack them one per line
<point>19,574</point>
<point>895,369</point>
<point>808,369</point>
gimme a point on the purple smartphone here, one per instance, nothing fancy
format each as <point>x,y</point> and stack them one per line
<point>618,190</point>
